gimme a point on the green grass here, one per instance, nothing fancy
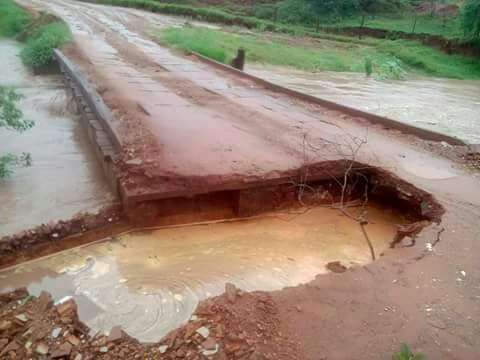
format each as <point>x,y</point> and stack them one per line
<point>41,35</point>
<point>431,61</point>
<point>13,18</point>
<point>38,50</point>
<point>389,59</point>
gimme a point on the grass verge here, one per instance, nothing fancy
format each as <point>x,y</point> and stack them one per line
<point>41,35</point>
<point>13,18</point>
<point>388,59</point>
<point>38,50</point>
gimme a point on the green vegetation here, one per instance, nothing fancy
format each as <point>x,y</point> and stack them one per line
<point>388,59</point>
<point>406,353</point>
<point>471,19</point>
<point>42,34</point>
<point>38,50</point>
<point>11,118</point>
<point>13,18</point>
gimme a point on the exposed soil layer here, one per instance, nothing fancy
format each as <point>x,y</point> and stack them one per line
<point>312,185</point>
<point>58,235</point>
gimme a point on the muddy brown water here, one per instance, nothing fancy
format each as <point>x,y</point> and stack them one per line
<point>151,281</point>
<point>448,106</point>
<point>65,177</point>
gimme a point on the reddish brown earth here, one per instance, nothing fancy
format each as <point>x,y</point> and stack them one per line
<point>187,126</point>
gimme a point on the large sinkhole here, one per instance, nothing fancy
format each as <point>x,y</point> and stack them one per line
<point>150,281</point>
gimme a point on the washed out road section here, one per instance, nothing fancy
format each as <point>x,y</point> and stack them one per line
<point>150,282</point>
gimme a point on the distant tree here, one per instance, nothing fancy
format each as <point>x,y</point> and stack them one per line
<point>471,18</point>
<point>11,118</point>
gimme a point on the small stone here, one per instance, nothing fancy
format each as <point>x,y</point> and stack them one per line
<point>67,309</point>
<point>104,349</point>
<point>3,343</point>
<point>78,357</point>
<point>115,334</point>
<point>134,162</point>
<point>299,309</point>
<point>63,351</point>
<point>13,346</point>
<point>5,325</point>
<point>209,347</point>
<point>42,349</point>
<point>231,292</point>
<point>72,339</point>
<point>163,349</point>
<point>45,302</point>
<point>55,235</point>
<point>203,331</point>
<point>56,332</point>
<point>209,344</point>
<point>22,317</point>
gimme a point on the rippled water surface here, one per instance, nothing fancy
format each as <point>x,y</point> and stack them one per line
<point>448,106</point>
<point>65,177</point>
<point>150,282</point>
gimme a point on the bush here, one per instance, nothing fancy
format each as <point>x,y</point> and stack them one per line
<point>38,51</point>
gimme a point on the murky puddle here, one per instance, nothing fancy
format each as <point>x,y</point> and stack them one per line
<point>65,177</point>
<point>447,106</point>
<point>150,282</point>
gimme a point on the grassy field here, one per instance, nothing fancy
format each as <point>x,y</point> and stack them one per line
<point>390,59</point>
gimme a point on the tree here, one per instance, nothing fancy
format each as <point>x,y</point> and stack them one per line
<point>471,18</point>
<point>11,118</point>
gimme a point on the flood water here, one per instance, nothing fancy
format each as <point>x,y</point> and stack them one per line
<point>150,282</point>
<point>64,178</point>
<point>447,106</point>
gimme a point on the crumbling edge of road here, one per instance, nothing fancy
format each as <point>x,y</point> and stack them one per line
<point>387,123</point>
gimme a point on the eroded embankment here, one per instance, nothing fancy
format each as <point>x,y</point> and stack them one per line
<point>148,283</point>
<point>318,184</point>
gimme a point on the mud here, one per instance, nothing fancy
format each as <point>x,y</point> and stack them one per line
<point>64,178</point>
<point>448,106</point>
<point>150,282</point>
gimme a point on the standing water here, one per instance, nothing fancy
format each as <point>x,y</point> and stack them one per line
<point>64,178</point>
<point>447,106</point>
<point>150,282</point>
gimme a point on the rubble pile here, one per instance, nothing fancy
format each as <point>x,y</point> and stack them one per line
<point>234,325</point>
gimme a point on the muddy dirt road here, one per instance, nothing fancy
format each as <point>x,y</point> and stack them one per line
<point>180,118</point>
<point>64,178</point>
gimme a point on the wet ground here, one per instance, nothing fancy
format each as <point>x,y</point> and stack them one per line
<point>150,282</point>
<point>64,178</point>
<point>447,106</point>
